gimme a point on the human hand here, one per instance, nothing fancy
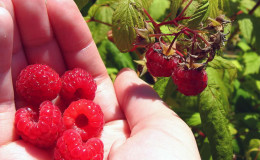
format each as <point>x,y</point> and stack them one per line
<point>138,124</point>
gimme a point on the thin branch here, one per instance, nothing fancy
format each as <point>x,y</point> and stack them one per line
<point>150,18</point>
<point>98,21</point>
<point>254,8</point>
<point>180,15</point>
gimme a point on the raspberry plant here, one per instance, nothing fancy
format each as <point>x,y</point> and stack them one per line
<point>199,35</point>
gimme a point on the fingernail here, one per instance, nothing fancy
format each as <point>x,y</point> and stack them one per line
<point>127,70</point>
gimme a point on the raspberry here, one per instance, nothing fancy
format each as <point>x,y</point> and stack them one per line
<point>70,146</point>
<point>86,117</point>
<point>42,131</point>
<point>78,84</point>
<point>158,64</point>
<point>190,82</point>
<point>37,83</point>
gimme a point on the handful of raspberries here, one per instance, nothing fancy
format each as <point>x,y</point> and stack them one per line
<point>74,133</point>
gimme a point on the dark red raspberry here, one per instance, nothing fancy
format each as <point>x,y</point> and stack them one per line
<point>158,64</point>
<point>86,117</point>
<point>70,146</point>
<point>190,82</point>
<point>78,84</point>
<point>42,131</point>
<point>37,83</point>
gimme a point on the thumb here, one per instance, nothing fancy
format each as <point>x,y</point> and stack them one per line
<point>146,114</point>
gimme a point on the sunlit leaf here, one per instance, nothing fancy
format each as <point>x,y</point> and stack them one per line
<point>103,14</point>
<point>127,16</point>
<point>200,15</point>
<point>161,86</point>
<point>175,5</point>
<point>158,8</point>
<point>252,62</point>
<point>214,121</point>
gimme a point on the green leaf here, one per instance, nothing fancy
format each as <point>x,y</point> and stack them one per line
<point>81,3</point>
<point>175,5</point>
<point>99,30</point>
<point>120,60</point>
<point>193,120</point>
<point>213,8</point>
<point>244,46</point>
<point>161,86</point>
<point>226,73</point>
<point>252,62</point>
<point>249,120</point>
<point>249,26</point>
<point>200,15</point>
<point>214,106</point>
<point>253,150</point>
<point>246,28</point>
<point>189,116</point>
<point>224,5</point>
<point>106,2</point>
<point>146,3</point>
<point>205,150</point>
<point>247,5</point>
<point>214,121</point>
<point>158,8</point>
<point>113,58</point>
<point>126,17</point>
<point>191,9</point>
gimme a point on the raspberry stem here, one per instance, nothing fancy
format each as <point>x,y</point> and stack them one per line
<point>98,21</point>
<point>185,8</point>
<point>194,32</point>
<point>176,36</point>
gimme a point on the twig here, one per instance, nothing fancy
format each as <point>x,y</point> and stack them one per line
<point>98,21</point>
<point>254,8</point>
<point>180,15</point>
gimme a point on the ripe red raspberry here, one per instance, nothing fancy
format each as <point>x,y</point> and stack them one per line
<point>86,117</point>
<point>42,131</point>
<point>78,84</point>
<point>190,82</point>
<point>158,64</point>
<point>37,83</point>
<point>70,146</point>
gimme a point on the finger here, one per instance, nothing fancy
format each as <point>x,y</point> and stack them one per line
<point>137,99</point>
<point>7,107</point>
<point>148,116</point>
<point>79,50</point>
<point>36,34</point>
<point>141,104</point>
<point>18,57</point>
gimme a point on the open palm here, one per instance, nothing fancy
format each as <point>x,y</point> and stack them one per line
<point>139,125</point>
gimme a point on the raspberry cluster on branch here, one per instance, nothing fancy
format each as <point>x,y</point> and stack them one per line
<point>185,57</point>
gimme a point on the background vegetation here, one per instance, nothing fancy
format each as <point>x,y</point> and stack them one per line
<point>225,116</point>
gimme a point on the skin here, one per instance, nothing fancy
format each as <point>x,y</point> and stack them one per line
<point>138,123</point>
